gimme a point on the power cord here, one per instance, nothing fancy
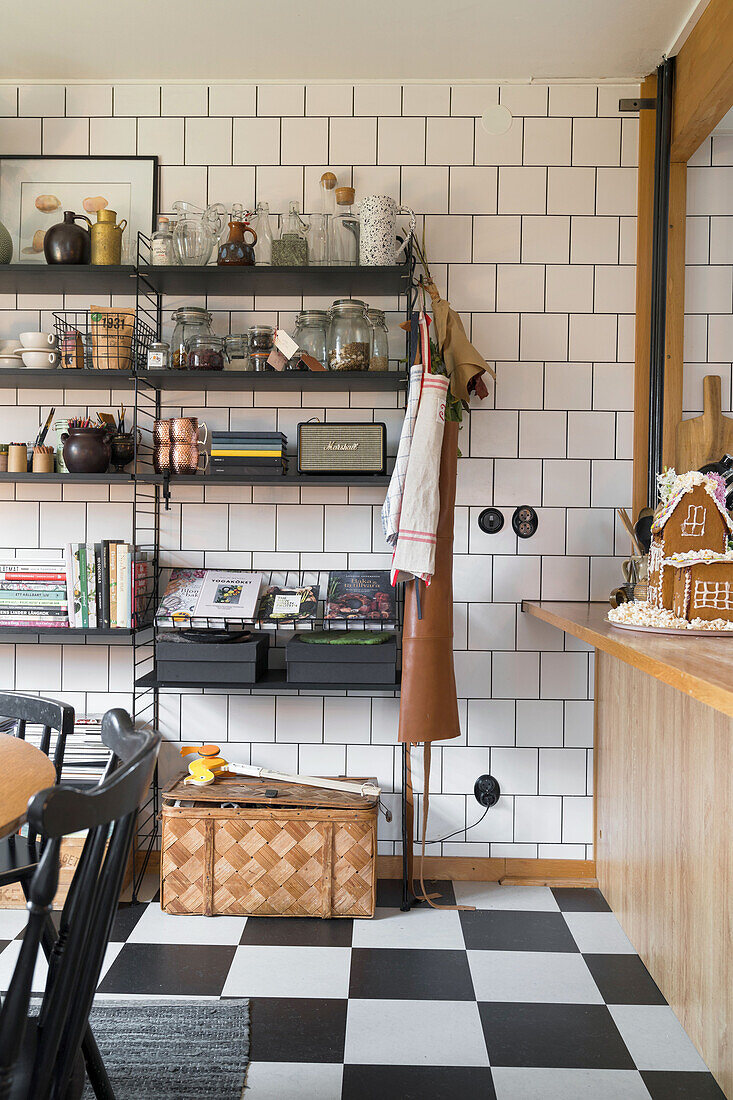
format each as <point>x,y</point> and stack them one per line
<point>440,841</point>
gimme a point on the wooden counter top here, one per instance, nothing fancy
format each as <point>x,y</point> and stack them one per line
<point>700,667</point>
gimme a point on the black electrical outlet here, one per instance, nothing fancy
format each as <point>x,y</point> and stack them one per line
<point>525,521</point>
<point>491,521</point>
<point>486,791</point>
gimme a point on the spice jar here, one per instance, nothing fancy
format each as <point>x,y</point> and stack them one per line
<point>261,343</point>
<point>349,335</point>
<point>379,358</point>
<point>189,321</point>
<point>205,352</point>
<point>159,356</point>
<point>311,333</point>
<point>3,457</point>
<point>236,348</point>
<point>291,250</point>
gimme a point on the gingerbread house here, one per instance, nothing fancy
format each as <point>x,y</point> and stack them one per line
<point>692,518</point>
<point>703,586</point>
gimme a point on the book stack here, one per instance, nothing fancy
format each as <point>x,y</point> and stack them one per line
<point>33,593</point>
<point>109,585</point>
<point>249,454</point>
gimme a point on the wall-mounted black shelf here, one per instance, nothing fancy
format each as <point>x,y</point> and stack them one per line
<point>207,480</point>
<point>298,281</point>
<point>71,479</point>
<point>63,379</point>
<point>275,381</point>
<point>68,632</point>
<point>274,681</point>
<point>44,278</point>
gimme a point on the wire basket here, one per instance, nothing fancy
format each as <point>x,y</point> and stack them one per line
<point>107,338</point>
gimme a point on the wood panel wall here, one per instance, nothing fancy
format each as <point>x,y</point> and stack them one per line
<point>664,849</point>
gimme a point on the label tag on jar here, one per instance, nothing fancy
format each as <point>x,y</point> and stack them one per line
<point>155,359</point>
<point>277,360</point>
<point>285,343</point>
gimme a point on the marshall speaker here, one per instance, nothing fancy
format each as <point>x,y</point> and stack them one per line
<point>342,448</point>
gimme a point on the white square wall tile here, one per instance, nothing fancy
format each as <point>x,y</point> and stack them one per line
<point>450,141</point>
<point>520,288</point>
<point>593,337</point>
<point>448,238</point>
<point>563,771</point>
<point>491,722</point>
<point>594,240</point>
<point>41,100</point>
<point>519,385</point>
<point>208,141</point>
<point>304,141</point>
<point>348,529</point>
<point>516,579</point>
<point>517,481</point>
<point>543,336</point>
<point>524,99</point>
<point>257,141</point>
<point>20,136</point>
<point>515,675</point>
<point>65,137</point>
<point>546,240</point>
<point>577,819</point>
<point>252,527</point>
<point>8,101</point>
<point>571,190</point>
<point>112,137</point>
<point>570,289</point>
<point>473,190</point>
<point>88,99</point>
<point>492,626</point>
<point>539,722</point>
<point>615,289</point>
<point>564,676</point>
<point>542,434</point>
<point>537,819</point>
<point>494,433</point>
<point>300,527</point>
<point>573,100</point>
<point>401,141</point>
<point>496,239</point>
<point>161,137</point>
<point>547,140</point>
<point>473,99</point>
<point>377,99</point>
<point>566,483</point>
<point>472,287</point>
<point>229,184</point>
<point>516,770</point>
<point>461,768</point>
<point>426,99</point>
<point>591,434</point>
<point>353,141</point>
<point>473,674</point>
<point>425,188</point>
<point>279,185</point>
<point>299,719</point>
<point>596,141</point>
<point>616,191</point>
<point>497,335</point>
<point>523,191</point>
<point>329,99</point>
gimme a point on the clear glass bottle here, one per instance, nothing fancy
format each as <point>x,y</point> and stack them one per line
<point>261,343</point>
<point>236,347</point>
<point>349,335</point>
<point>205,352</point>
<point>379,357</point>
<point>161,243</point>
<point>263,229</point>
<point>291,250</point>
<point>237,212</point>
<point>188,321</point>
<point>311,334</point>
<point>328,208</point>
<point>344,237</point>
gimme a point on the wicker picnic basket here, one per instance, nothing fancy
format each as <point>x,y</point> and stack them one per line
<point>232,849</point>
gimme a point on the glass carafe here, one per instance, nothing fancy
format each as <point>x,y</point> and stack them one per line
<point>291,250</point>
<point>263,229</point>
<point>344,235</point>
<point>197,232</point>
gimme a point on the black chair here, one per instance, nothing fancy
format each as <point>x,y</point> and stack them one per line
<point>19,854</point>
<point>41,1057</point>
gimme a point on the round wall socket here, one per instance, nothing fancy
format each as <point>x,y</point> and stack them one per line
<point>486,791</point>
<point>525,521</point>
<point>491,521</point>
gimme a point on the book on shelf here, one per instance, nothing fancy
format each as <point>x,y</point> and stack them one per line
<point>101,591</point>
<point>360,594</point>
<point>211,594</point>
<point>33,593</point>
<point>288,604</point>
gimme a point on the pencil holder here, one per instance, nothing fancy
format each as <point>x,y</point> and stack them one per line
<point>43,460</point>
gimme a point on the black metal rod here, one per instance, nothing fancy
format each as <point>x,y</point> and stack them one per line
<point>406,839</point>
<point>660,234</point>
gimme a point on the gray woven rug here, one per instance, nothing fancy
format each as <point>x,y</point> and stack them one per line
<point>168,1050</point>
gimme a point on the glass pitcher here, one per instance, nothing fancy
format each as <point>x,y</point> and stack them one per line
<point>197,232</point>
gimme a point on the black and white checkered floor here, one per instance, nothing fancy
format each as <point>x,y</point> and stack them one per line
<point>536,994</point>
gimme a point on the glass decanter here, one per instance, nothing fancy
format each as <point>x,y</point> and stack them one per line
<point>291,250</point>
<point>263,229</point>
<point>197,232</point>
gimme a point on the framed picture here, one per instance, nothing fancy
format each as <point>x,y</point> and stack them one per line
<point>35,191</point>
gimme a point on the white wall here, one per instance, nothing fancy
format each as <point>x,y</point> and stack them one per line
<point>532,235</point>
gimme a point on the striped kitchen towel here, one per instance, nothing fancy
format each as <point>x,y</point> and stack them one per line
<point>393,501</point>
<point>414,555</point>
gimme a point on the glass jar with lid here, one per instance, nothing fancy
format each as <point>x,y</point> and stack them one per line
<point>349,335</point>
<point>261,343</point>
<point>379,358</point>
<point>189,321</point>
<point>311,334</point>
<point>205,352</point>
<point>236,347</point>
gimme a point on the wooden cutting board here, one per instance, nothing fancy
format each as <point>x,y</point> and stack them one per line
<point>705,438</point>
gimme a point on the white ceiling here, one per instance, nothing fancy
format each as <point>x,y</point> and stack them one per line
<point>338,40</point>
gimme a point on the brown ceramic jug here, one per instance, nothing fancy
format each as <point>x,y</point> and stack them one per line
<point>68,243</point>
<point>236,251</point>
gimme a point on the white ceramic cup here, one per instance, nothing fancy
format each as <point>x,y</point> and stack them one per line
<point>40,359</point>
<point>38,341</point>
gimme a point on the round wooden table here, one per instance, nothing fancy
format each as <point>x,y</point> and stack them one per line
<point>24,770</point>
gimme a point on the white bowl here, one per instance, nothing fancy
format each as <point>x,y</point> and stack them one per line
<point>37,360</point>
<point>38,341</point>
<point>10,362</point>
